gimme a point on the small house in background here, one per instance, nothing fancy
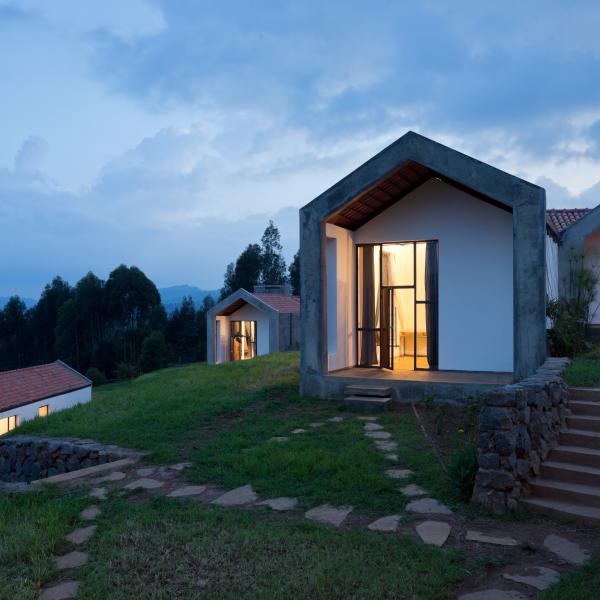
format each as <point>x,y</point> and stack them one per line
<point>38,391</point>
<point>245,324</point>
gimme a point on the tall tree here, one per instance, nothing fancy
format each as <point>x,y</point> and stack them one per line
<point>294,271</point>
<point>15,335</point>
<point>246,273</point>
<point>206,305</point>
<point>182,332</point>
<point>273,270</point>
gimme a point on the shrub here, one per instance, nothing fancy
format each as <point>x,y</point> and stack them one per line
<point>96,376</point>
<point>154,352</point>
<point>125,371</point>
<point>462,470</point>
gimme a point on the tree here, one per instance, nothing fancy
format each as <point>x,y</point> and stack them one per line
<point>182,332</point>
<point>246,273</point>
<point>154,353</point>
<point>15,335</point>
<point>273,263</point>
<point>207,304</point>
<point>294,271</point>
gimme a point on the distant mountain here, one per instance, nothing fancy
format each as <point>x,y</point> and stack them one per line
<point>171,297</point>
<point>29,302</point>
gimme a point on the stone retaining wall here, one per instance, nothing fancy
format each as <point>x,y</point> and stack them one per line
<point>518,426</point>
<point>26,458</point>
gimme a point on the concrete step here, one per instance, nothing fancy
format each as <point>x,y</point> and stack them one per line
<point>564,510</point>
<point>580,437</point>
<point>368,390</point>
<point>571,473</point>
<point>586,457</point>
<point>574,493</point>
<point>585,422</point>
<point>585,407</point>
<point>587,394</point>
<point>368,404</point>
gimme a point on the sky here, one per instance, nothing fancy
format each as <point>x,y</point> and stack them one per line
<point>166,133</point>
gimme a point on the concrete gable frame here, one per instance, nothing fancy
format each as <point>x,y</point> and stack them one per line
<point>241,297</point>
<point>526,201</point>
<point>571,249</point>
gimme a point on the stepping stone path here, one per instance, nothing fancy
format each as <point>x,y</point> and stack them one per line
<point>145,472</point>
<point>188,490</point>
<point>413,490</point>
<point>371,426</point>
<point>386,524</point>
<point>428,506</point>
<point>279,438</point>
<point>477,536</point>
<point>237,497</point>
<point>60,591</point>
<point>114,476</point>
<point>90,513</point>
<point>72,560</point>
<point>378,435</point>
<point>367,418</point>
<point>181,466</point>
<point>398,473</point>
<point>145,483</point>
<point>329,515</point>
<point>81,535</point>
<point>538,577</point>
<point>392,457</point>
<point>279,504</point>
<point>433,532</point>
<point>387,446</point>
<point>493,595</point>
<point>315,425</point>
<point>567,550</point>
<point>336,419</point>
<point>299,430</point>
<point>99,493</point>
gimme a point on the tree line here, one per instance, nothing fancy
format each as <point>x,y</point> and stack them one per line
<point>117,328</point>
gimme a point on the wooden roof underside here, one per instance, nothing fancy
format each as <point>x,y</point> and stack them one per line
<point>389,190</point>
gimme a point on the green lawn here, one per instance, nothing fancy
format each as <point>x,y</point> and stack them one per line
<point>584,370</point>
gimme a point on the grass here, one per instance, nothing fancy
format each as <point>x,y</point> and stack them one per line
<point>584,370</point>
<point>583,584</point>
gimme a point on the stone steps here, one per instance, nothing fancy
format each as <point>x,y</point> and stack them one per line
<point>580,437</point>
<point>584,394</point>
<point>564,510</point>
<point>368,404</point>
<point>586,457</point>
<point>564,491</point>
<point>584,407</point>
<point>574,473</point>
<point>584,422</point>
<point>363,390</point>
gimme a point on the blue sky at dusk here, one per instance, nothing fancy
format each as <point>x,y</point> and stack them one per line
<point>165,133</point>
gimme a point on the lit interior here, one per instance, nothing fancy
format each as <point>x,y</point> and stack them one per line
<point>243,340</point>
<point>8,424</point>
<point>43,410</point>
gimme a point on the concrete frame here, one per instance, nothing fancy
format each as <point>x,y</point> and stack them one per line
<point>571,248</point>
<point>251,299</point>
<point>526,200</point>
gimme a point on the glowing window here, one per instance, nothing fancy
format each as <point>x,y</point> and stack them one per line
<point>44,410</point>
<point>9,423</point>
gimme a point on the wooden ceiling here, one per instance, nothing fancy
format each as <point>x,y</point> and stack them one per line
<point>389,190</point>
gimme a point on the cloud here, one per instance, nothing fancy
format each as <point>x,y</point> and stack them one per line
<point>31,155</point>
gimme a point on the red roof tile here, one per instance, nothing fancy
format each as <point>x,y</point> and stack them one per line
<point>560,219</point>
<point>24,386</point>
<point>281,302</point>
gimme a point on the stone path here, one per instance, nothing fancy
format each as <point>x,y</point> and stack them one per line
<point>160,480</point>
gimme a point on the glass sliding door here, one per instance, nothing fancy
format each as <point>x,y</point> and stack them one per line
<point>397,298</point>
<point>243,340</point>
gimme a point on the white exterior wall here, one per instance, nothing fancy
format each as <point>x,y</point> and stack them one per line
<point>475,270</point>
<point>591,260</point>
<point>341,297</point>
<point>56,403</point>
<point>246,313</point>
<point>551,268</point>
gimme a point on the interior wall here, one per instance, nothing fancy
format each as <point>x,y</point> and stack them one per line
<point>221,340</point>
<point>551,273</point>
<point>591,260</point>
<point>341,297</point>
<point>475,242</point>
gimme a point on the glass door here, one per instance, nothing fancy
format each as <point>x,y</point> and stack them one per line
<point>243,340</point>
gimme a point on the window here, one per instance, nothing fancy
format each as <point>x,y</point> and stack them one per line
<point>9,423</point>
<point>243,340</point>
<point>44,410</point>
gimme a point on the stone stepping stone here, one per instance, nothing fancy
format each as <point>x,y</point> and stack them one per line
<point>336,419</point>
<point>60,591</point>
<point>145,471</point>
<point>477,536</point>
<point>398,473</point>
<point>114,476</point>
<point>392,457</point>
<point>81,535</point>
<point>72,560</point>
<point>188,490</point>
<point>367,418</point>
<point>378,435</point>
<point>279,438</point>
<point>237,497</point>
<point>387,524</point>
<point>181,466</point>
<point>145,483</point>
<point>369,426</point>
<point>299,430</point>
<point>538,577</point>
<point>329,515</point>
<point>493,595</point>
<point>164,473</point>
<point>428,506</point>
<point>99,493</point>
<point>433,532</point>
<point>412,490</point>
<point>279,504</point>
<point>317,424</point>
<point>387,446</point>
<point>567,550</point>
<point>90,513</point>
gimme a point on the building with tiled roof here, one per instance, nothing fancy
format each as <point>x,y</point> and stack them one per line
<point>245,325</point>
<point>559,219</point>
<point>38,391</point>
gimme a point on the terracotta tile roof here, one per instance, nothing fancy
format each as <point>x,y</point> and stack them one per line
<point>282,303</point>
<point>24,386</point>
<point>559,219</point>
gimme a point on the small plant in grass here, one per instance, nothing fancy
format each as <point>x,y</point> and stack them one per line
<point>462,470</point>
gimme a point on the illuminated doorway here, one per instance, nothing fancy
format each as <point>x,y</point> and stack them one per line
<point>243,340</point>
